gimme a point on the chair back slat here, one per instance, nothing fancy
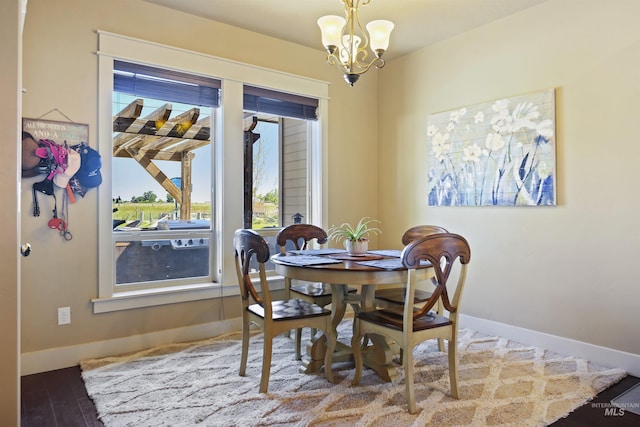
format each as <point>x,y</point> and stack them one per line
<point>300,235</point>
<point>247,244</point>
<point>420,231</point>
<point>441,250</point>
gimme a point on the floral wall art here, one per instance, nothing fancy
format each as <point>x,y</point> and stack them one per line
<point>499,153</point>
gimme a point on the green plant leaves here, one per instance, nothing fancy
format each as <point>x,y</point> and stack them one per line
<point>346,231</point>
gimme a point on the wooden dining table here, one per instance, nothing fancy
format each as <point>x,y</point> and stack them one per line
<point>376,269</point>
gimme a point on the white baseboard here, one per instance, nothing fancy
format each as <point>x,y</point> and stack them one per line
<point>600,355</point>
<point>64,357</point>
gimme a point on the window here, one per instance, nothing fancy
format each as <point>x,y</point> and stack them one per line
<point>178,237</point>
<point>161,175</point>
<point>278,131</point>
<point>278,134</point>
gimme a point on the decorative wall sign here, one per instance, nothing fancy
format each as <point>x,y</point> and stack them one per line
<point>498,153</point>
<point>73,133</point>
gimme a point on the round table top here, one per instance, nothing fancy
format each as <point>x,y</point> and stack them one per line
<point>346,271</point>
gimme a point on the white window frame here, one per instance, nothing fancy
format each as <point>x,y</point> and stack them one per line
<point>227,191</point>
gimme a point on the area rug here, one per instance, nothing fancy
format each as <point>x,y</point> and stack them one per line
<point>502,382</point>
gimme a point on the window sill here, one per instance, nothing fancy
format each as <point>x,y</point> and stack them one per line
<point>160,296</point>
<point>170,295</point>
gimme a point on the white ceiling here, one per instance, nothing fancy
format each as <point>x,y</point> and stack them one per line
<point>418,23</point>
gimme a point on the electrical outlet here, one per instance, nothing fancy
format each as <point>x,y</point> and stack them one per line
<point>64,315</point>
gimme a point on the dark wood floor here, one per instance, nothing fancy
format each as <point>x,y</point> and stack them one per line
<point>593,414</point>
<point>59,398</point>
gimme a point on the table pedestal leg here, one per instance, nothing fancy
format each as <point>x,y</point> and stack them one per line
<point>314,359</point>
<point>318,345</point>
<point>379,355</point>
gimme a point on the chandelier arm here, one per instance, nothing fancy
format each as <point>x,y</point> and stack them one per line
<point>378,62</point>
<point>362,68</point>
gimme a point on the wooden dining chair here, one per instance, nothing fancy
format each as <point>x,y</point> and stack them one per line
<point>414,325</point>
<point>391,297</point>
<point>394,297</point>
<point>301,237</point>
<point>273,317</point>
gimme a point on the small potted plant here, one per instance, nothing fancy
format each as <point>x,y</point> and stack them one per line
<point>356,240</point>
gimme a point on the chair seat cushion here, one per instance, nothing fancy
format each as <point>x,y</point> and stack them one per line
<point>397,295</point>
<point>290,309</point>
<point>314,289</point>
<point>393,319</point>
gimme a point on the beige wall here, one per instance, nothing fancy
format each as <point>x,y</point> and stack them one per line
<point>60,72</point>
<point>567,270</point>
<point>10,47</point>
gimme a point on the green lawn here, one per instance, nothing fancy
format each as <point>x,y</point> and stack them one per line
<point>151,212</point>
<point>148,213</point>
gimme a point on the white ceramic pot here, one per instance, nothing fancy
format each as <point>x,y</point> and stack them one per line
<point>357,247</point>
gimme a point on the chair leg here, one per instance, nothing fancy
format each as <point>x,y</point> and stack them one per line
<point>440,311</point>
<point>298,344</point>
<point>287,295</point>
<point>357,353</point>
<point>407,362</point>
<point>266,363</point>
<point>245,347</point>
<point>453,367</point>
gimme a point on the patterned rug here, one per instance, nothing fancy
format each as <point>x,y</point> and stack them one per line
<point>502,382</point>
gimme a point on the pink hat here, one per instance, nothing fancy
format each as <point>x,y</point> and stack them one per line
<point>73,164</point>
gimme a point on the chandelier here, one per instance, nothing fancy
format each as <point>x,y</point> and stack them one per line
<point>346,41</point>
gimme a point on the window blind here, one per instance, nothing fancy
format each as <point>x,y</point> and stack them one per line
<point>167,85</point>
<point>261,100</point>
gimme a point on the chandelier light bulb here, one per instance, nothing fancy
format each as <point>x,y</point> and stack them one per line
<point>331,27</point>
<point>379,33</point>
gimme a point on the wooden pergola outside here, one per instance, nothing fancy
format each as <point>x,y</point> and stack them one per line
<point>157,136</point>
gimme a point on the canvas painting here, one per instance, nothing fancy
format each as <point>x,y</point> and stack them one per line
<point>498,153</point>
